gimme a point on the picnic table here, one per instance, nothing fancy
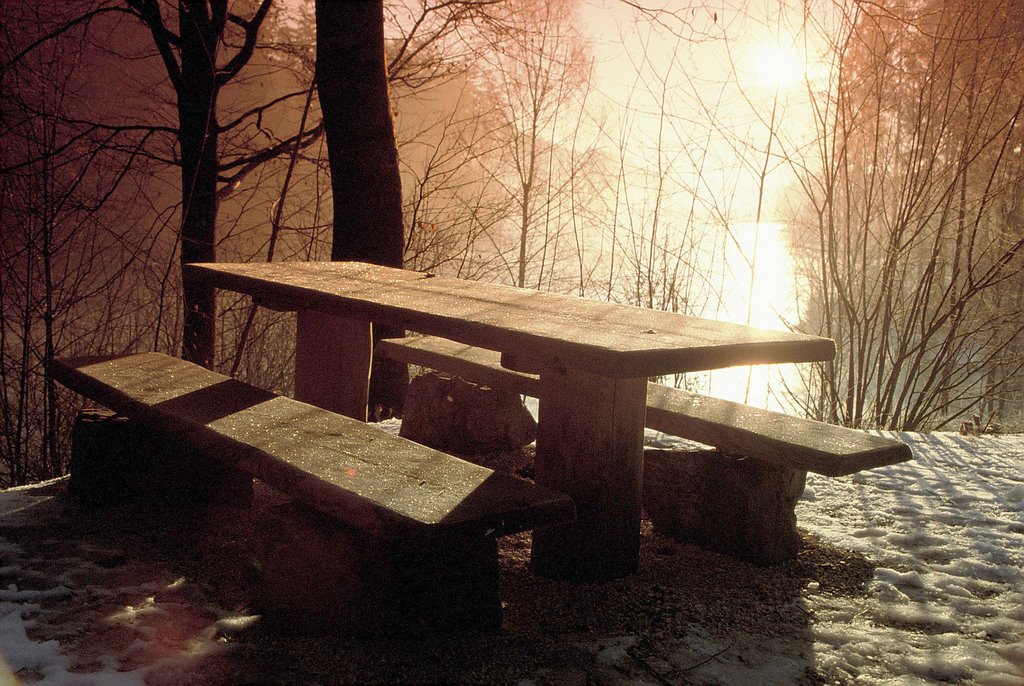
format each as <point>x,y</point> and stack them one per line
<point>593,359</point>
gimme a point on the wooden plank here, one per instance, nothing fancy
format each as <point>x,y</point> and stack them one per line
<point>539,329</point>
<point>769,436</point>
<point>383,484</point>
<point>733,427</point>
<point>469,362</point>
<point>590,445</point>
<point>332,363</point>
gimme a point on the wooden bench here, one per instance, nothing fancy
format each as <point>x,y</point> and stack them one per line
<point>382,535</point>
<point>737,499</point>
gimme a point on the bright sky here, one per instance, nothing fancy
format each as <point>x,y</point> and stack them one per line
<point>699,104</point>
<point>718,81</point>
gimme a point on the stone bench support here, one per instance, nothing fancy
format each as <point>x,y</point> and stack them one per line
<point>738,506</point>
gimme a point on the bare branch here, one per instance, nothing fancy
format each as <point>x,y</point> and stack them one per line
<point>259,110</point>
<point>242,57</point>
<point>64,28</point>
<point>247,164</point>
<point>149,12</point>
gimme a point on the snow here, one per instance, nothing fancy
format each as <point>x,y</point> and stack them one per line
<point>45,662</point>
<point>945,603</point>
<point>947,530</point>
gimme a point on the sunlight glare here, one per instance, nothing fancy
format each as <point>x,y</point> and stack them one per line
<point>776,65</point>
<point>774,306</point>
<point>766,244</point>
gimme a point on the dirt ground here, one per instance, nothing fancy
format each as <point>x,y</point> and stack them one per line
<point>686,609</point>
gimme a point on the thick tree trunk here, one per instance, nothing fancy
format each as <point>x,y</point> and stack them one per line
<point>352,80</point>
<point>197,136</point>
<point>351,74</point>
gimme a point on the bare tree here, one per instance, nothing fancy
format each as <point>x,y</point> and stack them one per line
<point>89,262</point>
<point>912,208</point>
<point>63,254</point>
<point>198,69</point>
<point>452,207</point>
<point>535,77</point>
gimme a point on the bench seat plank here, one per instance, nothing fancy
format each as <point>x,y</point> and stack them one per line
<point>381,483</point>
<point>732,427</point>
<point>478,365</point>
<point>770,436</point>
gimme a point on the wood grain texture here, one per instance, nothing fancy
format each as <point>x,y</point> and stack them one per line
<point>539,329</point>
<point>733,427</point>
<point>590,445</point>
<point>332,362</point>
<point>770,436</point>
<point>380,483</point>
<point>737,506</point>
<point>469,362</point>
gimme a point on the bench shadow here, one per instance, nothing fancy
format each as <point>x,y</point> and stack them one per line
<point>685,617</point>
<point>215,401</point>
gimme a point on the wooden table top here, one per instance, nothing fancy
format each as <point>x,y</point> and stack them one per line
<point>540,328</point>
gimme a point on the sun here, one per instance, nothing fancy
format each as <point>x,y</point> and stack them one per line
<point>776,65</point>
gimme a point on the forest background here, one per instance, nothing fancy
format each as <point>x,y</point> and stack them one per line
<point>839,167</point>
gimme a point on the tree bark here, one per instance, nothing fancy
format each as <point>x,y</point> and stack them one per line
<point>351,74</point>
<point>352,81</point>
<point>197,136</point>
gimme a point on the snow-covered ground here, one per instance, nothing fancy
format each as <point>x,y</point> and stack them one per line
<point>945,604</point>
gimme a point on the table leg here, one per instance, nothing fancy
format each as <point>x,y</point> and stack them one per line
<point>332,362</point>
<point>590,446</point>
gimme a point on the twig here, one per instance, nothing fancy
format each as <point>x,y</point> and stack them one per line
<point>702,662</point>
<point>648,668</point>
